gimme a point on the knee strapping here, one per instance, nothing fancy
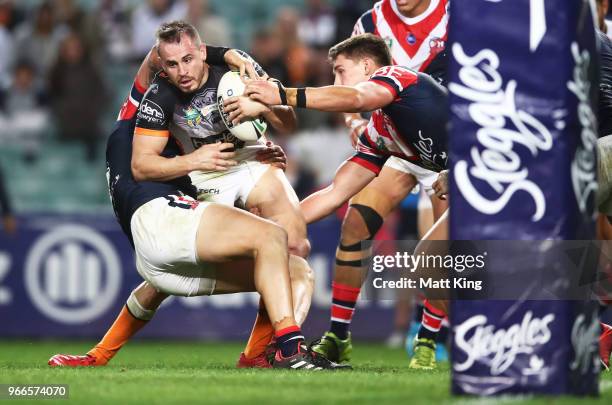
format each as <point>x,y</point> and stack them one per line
<point>372,219</point>
<point>137,310</point>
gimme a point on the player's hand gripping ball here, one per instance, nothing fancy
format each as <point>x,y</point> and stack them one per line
<point>231,85</point>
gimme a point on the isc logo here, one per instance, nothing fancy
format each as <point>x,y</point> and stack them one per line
<point>72,274</point>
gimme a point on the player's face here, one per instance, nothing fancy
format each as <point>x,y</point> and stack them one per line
<point>412,8</point>
<point>183,62</point>
<point>349,72</point>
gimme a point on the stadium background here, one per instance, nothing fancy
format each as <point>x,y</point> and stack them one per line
<point>66,67</point>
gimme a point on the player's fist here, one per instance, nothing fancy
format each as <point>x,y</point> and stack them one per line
<point>440,186</point>
<point>214,156</point>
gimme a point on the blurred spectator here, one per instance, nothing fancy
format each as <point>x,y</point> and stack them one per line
<point>70,15</point>
<point>79,94</point>
<point>9,224</point>
<point>38,39</point>
<point>317,27</point>
<point>113,20</point>
<point>296,52</point>
<point>6,43</point>
<point>147,17</point>
<point>24,113</point>
<point>347,13</point>
<point>213,28</point>
<point>267,50</point>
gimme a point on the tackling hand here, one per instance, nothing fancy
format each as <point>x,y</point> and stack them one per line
<point>273,155</point>
<point>266,92</point>
<point>214,156</point>
<point>440,186</point>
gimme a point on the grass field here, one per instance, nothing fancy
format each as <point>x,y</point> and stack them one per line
<point>187,372</point>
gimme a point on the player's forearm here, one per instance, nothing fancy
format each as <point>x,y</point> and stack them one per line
<point>329,98</point>
<point>282,119</point>
<point>151,167</point>
<point>320,204</point>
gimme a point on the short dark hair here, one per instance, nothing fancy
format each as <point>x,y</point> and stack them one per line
<point>363,45</point>
<point>171,32</point>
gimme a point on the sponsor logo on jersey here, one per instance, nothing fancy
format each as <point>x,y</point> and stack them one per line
<point>482,343</point>
<point>584,167</point>
<point>495,163</point>
<point>151,112</point>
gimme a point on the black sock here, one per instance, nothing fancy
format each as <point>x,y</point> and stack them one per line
<point>288,340</point>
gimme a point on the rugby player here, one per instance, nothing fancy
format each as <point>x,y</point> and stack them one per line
<point>145,299</point>
<point>416,33</point>
<point>408,122</point>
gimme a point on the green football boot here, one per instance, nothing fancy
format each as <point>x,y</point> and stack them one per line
<point>333,348</point>
<point>424,357</point>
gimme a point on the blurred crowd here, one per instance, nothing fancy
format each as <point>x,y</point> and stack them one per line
<point>55,56</point>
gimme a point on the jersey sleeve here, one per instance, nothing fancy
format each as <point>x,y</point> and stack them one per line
<point>395,78</point>
<point>365,24</point>
<point>368,156</point>
<point>155,110</point>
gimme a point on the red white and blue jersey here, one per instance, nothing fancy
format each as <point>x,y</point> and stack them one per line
<point>412,127</point>
<point>418,43</point>
<point>129,108</point>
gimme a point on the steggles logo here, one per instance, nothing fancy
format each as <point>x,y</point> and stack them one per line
<point>583,165</point>
<point>504,345</point>
<point>502,125</point>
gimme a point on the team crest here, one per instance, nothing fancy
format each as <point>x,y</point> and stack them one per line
<point>193,117</point>
<point>436,45</point>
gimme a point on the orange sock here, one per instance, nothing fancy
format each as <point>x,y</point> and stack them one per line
<point>261,335</point>
<point>124,327</point>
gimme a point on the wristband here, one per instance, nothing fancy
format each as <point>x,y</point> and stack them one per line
<point>301,97</point>
<point>281,92</point>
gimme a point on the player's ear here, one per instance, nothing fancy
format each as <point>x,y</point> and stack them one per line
<point>368,65</point>
<point>203,51</point>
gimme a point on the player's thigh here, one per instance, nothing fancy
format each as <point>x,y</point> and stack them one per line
<point>276,200</point>
<point>386,191</point>
<point>225,233</point>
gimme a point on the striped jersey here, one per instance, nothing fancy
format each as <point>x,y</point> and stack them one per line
<point>417,43</point>
<point>412,127</point>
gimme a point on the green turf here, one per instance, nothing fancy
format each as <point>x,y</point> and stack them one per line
<point>187,372</point>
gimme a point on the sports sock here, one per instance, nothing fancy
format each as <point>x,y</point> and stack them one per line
<point>288,340</point>
<point>125,326</point>
<point>431,322</point>
<point>261,335</point>
<point>344,298</point>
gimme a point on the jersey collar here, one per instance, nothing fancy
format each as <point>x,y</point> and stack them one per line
<point>411,21</point>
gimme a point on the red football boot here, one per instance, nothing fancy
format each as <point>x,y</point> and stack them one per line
<point>260,361</point>
<point>605,345</point>
<point>68,360</point>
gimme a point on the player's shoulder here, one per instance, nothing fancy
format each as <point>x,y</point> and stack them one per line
<point>395,71</point>
<point>161,88</point>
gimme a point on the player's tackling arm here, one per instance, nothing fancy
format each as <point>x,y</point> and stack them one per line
<point>149,164</point>
<point>349,180</point>
<point>365,96</point>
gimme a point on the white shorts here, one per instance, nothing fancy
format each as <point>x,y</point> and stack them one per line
<point>164,232</point>
<point>231,187</point>
<point>425,177</point>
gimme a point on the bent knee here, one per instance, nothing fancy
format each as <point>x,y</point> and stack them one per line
<point>360,223</point>
<point>299,247</point>
<point>300,270</point>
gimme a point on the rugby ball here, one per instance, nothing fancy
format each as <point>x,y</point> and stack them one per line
<point>231,85</point>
